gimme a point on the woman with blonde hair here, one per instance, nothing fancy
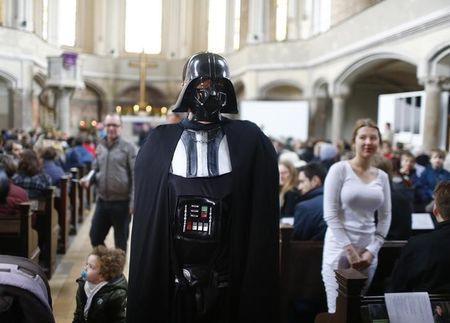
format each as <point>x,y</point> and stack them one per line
<point>354,189</point>
<point>288,193</point>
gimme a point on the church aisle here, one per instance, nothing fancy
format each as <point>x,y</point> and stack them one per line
<point>63,286</point>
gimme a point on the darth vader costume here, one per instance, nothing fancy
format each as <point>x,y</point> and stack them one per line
<point>204,246</point>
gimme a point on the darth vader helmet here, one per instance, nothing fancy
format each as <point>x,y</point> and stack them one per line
<point>207,90</point>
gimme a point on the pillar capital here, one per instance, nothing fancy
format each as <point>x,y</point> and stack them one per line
<point>431,81</point>
<point>340,91</point>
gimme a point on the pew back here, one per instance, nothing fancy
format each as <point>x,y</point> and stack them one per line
<point>17,237</point>
<point>63,208</point>
<point>351,307</point>
<point>74,201</point>
<point>300,270</point>
<point>48,229</point>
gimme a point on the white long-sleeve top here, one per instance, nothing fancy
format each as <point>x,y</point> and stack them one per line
<point>349,206</point>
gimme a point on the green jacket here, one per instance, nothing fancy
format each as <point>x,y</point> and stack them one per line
<point>108,305</point>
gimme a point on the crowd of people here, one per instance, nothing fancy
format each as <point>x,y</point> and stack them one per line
<point>359,197</point>
<point>196,190</point>
<point>312,190</point>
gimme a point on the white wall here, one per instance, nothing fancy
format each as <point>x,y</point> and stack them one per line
<point>386,113</point>
<point>278,118</point>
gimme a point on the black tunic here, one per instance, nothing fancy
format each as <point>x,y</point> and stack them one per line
<point>253,287</point>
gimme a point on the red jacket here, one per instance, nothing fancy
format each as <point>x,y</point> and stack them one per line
<point>16,195</point>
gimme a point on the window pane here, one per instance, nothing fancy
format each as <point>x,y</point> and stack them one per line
<point>237,24</point>
<point>216,25</point>
<point>281,22</point>
<point>2,12</point>
<point>45,19</point>
<point>143,26</point>
<point>67,15</point>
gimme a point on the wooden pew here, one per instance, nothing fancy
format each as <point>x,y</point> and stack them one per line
<point>81,194</point>
<point>74,202</point>
<point>48,230</point>
<point>301,279</point>
<point>351,307</point>
<point>17,237</point>
<point>89,190</point>
<point>387,256</point>
<point>351,282</point>
<point>63,208</point>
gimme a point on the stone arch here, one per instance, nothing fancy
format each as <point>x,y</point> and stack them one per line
<point>41,114</point>
<point>345,80</point>
<point>129,96</point>
<point>102,101</point>
<point>239,89</point>
<point>438,63</point>
<point>8,83</point>
<point>8,79</point>
<point>281,90</point>
<point>320,106</point>
<point>356,90</point>
<point>87,104</point>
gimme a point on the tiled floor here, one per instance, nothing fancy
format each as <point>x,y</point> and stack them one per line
<point>63,285</point>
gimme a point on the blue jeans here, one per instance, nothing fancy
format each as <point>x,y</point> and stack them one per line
<point>107,214</point>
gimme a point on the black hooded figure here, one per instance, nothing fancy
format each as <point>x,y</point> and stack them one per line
<point>204,246</point>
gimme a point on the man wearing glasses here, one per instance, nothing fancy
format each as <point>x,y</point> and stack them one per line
<point>113,175</point>
<point>204,246</point>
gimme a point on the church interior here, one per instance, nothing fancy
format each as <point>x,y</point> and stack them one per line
<point>303,70</point>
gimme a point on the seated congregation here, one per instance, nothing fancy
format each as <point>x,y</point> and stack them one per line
<point>42,203</point>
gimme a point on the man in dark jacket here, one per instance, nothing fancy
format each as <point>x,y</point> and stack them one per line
<point>308,215</point>
<point>204,246</point>
<point>424,262</point>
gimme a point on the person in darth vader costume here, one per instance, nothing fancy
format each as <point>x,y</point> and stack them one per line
<point>204,246</point>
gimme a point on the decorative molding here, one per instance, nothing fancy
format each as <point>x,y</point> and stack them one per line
<point>9,78</point>
<point>420,25</point>
<point>42,63</point>
<point>125,77</point>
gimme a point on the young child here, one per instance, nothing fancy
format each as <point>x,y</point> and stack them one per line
<point>102,288</point>
<point>434,174</point>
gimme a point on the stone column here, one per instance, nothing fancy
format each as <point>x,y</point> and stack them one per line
<point>317,118</point>
<point>19,14</point>
<point>53,22</point>
<point>256,21</point>
<point>293,20</point>
<point>63,96</point>
<point>431,134</point>
<point>19,115</point>
<point>337,120</point>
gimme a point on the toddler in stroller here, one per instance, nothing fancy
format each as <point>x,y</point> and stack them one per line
<point>24,292</point>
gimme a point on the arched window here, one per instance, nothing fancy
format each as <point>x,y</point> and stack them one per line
<point>67,13</point>
<point>143,26</point>
<point>2,13</point>
<point>217,25</point>
<point>322,16</point>
<point>45,19</point>
<point>281,20</point>
<point>237,25</point>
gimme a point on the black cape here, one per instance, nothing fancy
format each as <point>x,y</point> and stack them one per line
<point>254,287</point>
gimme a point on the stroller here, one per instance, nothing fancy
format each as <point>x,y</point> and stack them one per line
<point>24,292</point>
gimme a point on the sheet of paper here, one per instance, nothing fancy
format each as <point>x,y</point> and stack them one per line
<point>408,307</point>
<point>422,221</point>
<point>287,220</point>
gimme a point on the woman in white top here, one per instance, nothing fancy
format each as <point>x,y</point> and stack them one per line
<point>353,191</point>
